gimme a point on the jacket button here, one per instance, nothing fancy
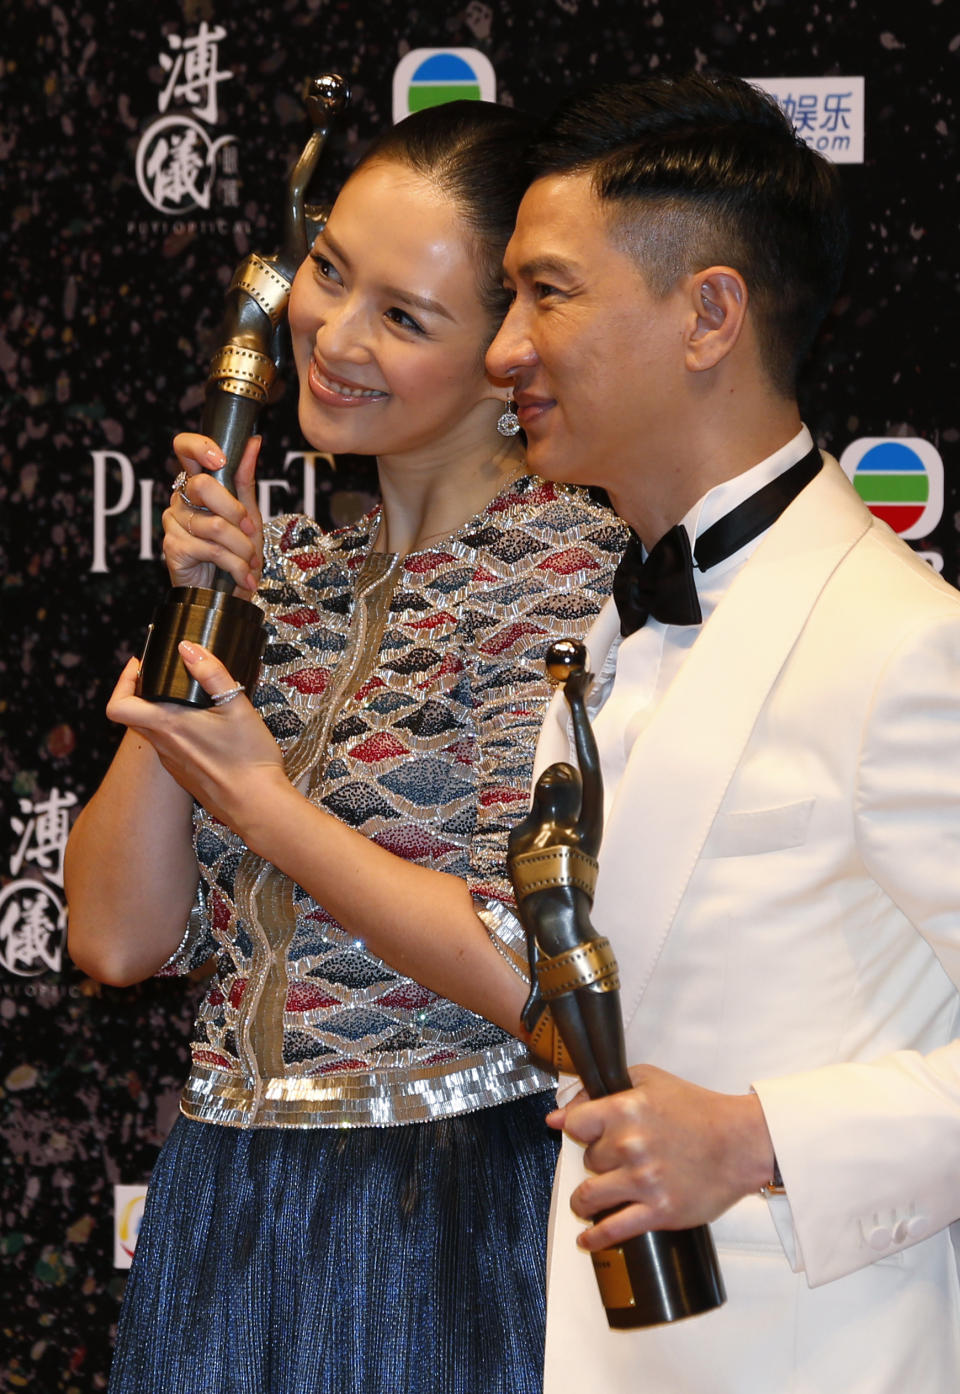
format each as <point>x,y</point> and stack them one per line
<point>918,1226</point>
<point>879,1237</point>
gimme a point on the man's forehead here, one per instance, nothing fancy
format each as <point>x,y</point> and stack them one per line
<point>559,198</point>
<point>559,221</point>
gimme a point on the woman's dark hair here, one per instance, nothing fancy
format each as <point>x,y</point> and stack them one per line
<point>699,170</point>
<point>473,152</point>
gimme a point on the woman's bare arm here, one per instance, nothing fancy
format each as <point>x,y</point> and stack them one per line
<point>130,873</point>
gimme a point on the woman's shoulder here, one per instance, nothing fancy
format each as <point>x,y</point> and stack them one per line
<point>568,528</point>
<point>296,539</point>
<point>564,505</point>
<point>541,563</point>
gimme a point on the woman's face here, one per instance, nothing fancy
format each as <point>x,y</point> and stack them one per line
<point>387,326</point>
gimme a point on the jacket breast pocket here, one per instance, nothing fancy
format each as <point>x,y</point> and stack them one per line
<point>749,832</point>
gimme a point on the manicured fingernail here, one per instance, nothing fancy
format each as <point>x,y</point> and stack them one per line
<point>216,457</point>
<point>251,581</point>
<point>188,650</point>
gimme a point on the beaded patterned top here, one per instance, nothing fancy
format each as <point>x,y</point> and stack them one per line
<point>407,694</point>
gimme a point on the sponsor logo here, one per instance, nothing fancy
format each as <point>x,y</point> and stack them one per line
<point>32,923</point>
<point>900,479</point>
<point>33,916</point>
<point>827,112</point>
<point>117,493</point>
<point>176,164</point>
<point>180,165</point>
<point>430,76</point>
<point>128,1204</point>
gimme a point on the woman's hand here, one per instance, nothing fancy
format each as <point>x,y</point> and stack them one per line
<point>223,755</point>
<point>219,531</point>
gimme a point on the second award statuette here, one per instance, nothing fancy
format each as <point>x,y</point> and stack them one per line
<point>664,1275</point>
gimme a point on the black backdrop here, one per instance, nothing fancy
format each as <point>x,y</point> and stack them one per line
<point>110,310</point>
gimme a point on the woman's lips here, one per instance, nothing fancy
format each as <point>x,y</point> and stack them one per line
<point>337,392</point>
<point>530,409</point>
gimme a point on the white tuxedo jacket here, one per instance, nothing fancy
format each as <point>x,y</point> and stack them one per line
<point>780,879</point>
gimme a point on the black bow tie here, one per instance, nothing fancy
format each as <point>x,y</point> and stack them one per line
<point>663,585</point>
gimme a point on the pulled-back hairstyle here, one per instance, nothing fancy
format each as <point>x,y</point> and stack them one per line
<point>700,171</point>
<point>472,152</point>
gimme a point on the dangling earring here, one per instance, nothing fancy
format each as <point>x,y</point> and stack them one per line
<point>509,422</point>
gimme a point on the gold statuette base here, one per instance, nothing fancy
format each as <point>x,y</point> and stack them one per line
<point>230,628</point>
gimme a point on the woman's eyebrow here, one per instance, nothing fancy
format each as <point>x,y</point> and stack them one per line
<point>409,297</point>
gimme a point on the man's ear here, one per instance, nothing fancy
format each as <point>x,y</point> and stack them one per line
<point>718,299</point>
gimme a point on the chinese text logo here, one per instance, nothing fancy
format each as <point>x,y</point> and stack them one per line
<point>179,161</point>
<point>32,913</point>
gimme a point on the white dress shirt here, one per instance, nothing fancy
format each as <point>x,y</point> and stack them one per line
<point>639,669</point>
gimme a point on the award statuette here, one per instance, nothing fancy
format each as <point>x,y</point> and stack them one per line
<point>552,859</point>
<point>241,375</point>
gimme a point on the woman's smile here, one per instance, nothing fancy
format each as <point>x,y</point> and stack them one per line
<point>338,392</point>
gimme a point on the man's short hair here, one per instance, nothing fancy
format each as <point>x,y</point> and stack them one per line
<point>703,170</point>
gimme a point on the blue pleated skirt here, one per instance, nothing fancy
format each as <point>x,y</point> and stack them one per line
<point>404,1260</point>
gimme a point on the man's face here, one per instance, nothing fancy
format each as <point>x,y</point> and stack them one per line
<point>597,360</point>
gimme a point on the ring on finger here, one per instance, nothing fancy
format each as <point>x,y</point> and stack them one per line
<point>220,699</point>
<point>180,487</point>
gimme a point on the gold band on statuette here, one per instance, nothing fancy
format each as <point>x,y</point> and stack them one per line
<point>547,1044</point>
<point>265,284</point>
<point>553,866</point>
<point>243,371</point>
<point>592,964</point>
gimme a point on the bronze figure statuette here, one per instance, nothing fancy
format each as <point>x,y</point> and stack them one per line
<point>241,375</point>
<point>552,859</point>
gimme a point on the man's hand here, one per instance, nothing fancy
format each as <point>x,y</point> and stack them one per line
<point>671,1154</point>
